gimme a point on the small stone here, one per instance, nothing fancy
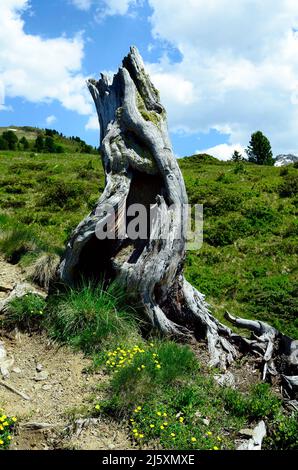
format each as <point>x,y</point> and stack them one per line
<point>41,376</point>
<point>206,421</point>
<point>16,370</point>
<point>39,367</point>
<point>47,387</point>
<point>226,379</point>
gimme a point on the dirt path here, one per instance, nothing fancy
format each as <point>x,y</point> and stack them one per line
<point>59,389</point>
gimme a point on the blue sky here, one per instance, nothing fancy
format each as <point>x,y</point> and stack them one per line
<point>224,68</point>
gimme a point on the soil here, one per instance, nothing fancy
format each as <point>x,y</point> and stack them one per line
<point>59,388</point>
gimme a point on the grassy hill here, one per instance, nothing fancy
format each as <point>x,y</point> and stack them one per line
<point>248,262</point>
<point>157,393</point>
<point>65,144</point>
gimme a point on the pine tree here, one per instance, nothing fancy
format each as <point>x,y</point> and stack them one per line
<point>259,149</point>
<point>39,143</point>
<point>237,157</point>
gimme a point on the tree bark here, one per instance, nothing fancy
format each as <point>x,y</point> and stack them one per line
<point>140,167</point>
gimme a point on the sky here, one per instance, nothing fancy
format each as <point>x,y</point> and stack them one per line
<point>224,68</point>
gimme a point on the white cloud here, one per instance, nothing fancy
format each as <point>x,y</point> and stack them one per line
<point>38,69</point>
<point>92,124</point>
<point>82,4</point>
<point>223,151</point>
<point>240,63</point>
<point>107,7</point>
<point>51,119</point>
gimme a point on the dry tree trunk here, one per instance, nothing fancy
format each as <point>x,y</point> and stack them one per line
<point>140,168</point>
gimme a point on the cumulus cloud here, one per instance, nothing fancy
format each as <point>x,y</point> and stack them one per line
<point>223,151</point>
<point>240,64</point>
<point>51,119</point>
<point>38,69</point>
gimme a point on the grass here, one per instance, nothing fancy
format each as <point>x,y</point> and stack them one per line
<point>90,318</point>
<point>25,313</point>
<point>170,402</point>
<point>248,262</point>
<point>248,265</point>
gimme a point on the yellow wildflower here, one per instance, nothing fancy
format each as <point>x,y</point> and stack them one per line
<point>215,448</point>
<point>193,439</point>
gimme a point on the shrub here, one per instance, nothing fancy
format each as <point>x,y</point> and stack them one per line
<point>25,313</point>
<point>283,433</point>
<point>259,403</point>
<point>284,171</point>
<point>289,186</point>
<point>63,195</point>
<point>226,232</point>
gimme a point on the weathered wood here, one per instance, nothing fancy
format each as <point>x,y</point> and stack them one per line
<point>140,167</point>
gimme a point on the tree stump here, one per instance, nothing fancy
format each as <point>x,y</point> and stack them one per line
<point>140,168</point>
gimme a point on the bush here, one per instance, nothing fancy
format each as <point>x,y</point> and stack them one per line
<point>63,195</point>
<point>283,433</point>
<point>289,187</point>
<point>226,232</point>
<point>25,313</point>
<point>259,403</point>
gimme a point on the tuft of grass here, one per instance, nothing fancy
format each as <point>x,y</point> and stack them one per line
<point>89,317</point>
<point>44,269</point>
<point>25,313</point>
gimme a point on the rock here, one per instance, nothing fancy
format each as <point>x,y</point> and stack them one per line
<point>43,375</point>
<point>227,379</point>
<point>5,362</point>
<point>206,421</point>
<point>16,370</point>
<point>246,432</point>
<point>39,367</point>
<point>46,387</point>
<point>255,443</point>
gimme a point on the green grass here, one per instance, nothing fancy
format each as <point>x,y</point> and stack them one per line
<point>169,401</point>
<point>248,262</point>
<point>90,317</point>
<point>25,313</point>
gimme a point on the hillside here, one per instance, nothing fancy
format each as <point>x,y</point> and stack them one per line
<point>248,262</point>
<point>147,393</point>
<point>52,140</point>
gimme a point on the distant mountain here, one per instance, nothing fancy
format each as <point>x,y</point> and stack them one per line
<point>282,160</point>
